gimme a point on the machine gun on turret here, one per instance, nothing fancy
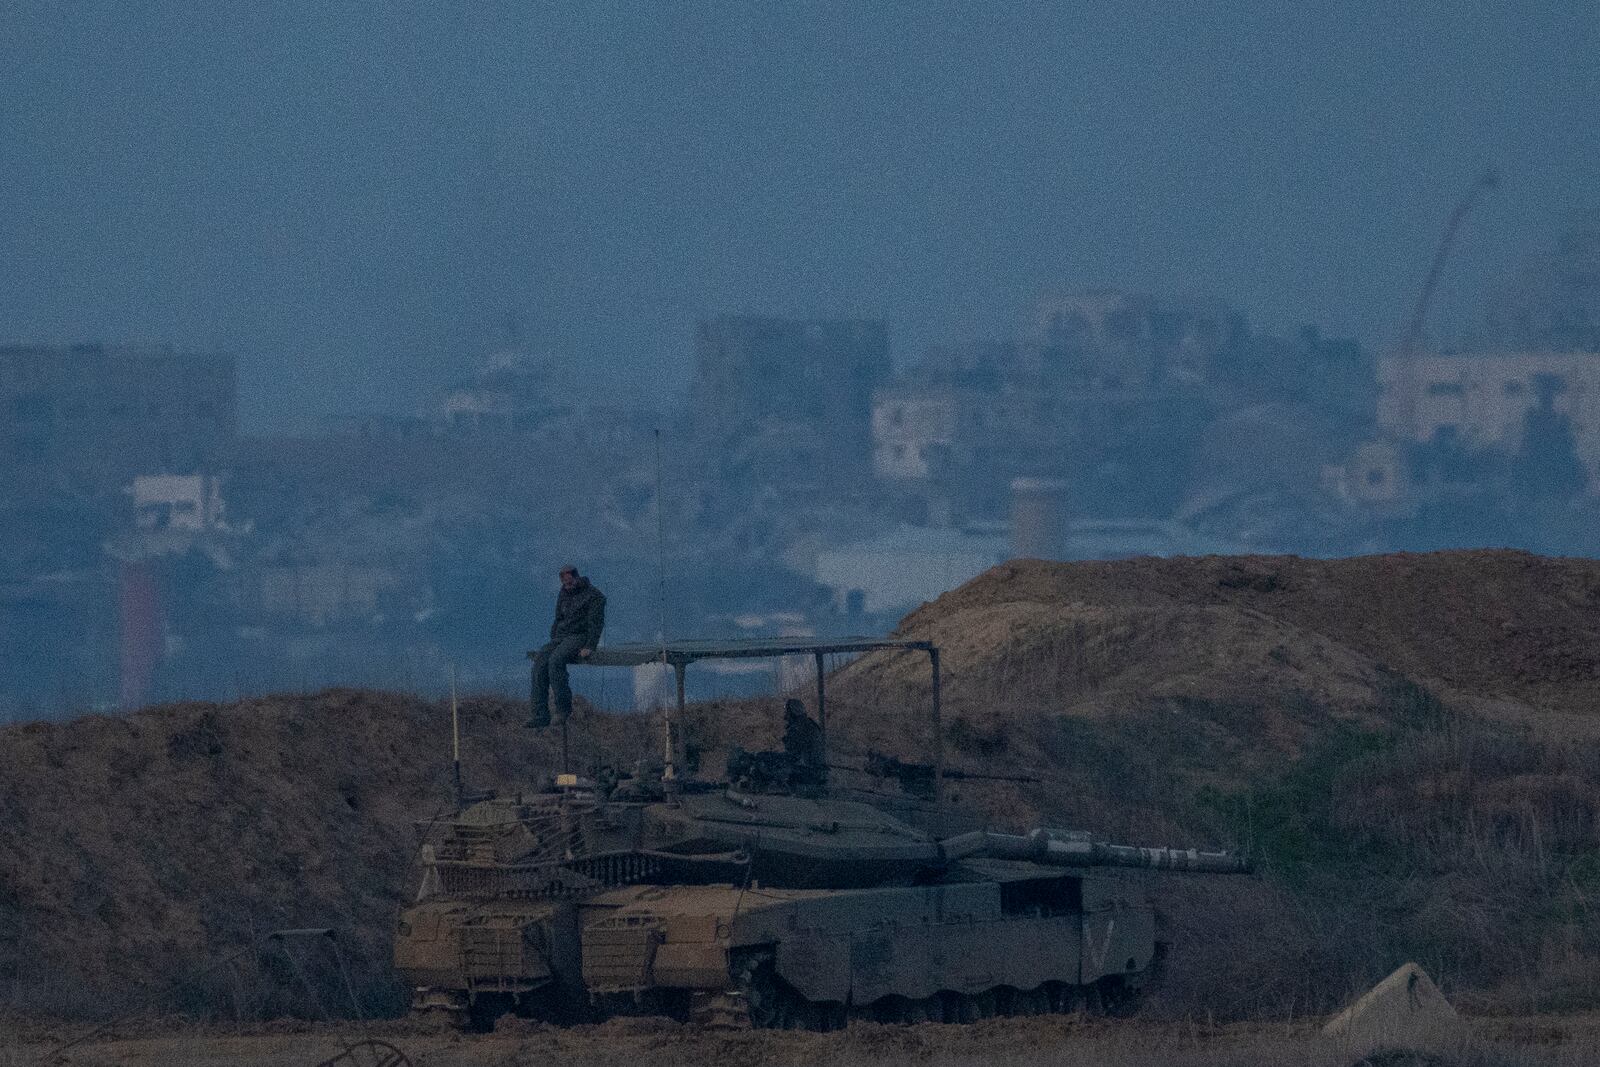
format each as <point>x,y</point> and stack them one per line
<point>916,779</point>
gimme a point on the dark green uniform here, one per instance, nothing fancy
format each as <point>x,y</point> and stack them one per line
<point>802,742</point>
<point>580,618</point>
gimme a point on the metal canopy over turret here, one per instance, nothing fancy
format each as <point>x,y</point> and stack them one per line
<point>680,653</point>
<point>686,652</point>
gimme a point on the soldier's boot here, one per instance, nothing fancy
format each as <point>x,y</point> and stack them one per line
<point>539,719</point>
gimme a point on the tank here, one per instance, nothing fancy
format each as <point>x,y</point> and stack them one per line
<point>773,899</point>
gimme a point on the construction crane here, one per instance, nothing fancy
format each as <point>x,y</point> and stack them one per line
<point>1413,334</point>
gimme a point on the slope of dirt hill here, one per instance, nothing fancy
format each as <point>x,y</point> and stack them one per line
<point>140,850</point>
<point>1377,732</point>
<point>1487,625</point>
<point>1257,654</point>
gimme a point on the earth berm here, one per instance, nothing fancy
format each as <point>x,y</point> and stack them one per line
<point>1409,746</point>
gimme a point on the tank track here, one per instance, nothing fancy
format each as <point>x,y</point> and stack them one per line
<point>757,999</point>
<point>760,1000</point>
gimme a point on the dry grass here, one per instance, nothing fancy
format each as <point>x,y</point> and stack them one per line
<point>1011,1043</point>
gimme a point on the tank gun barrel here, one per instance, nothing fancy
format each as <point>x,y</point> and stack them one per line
<point>1069,848</point>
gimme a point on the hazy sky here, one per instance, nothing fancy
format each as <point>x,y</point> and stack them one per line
<point>352,195</point>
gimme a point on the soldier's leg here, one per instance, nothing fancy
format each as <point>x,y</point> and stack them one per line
<point>561,690</point>
<point>539,691</point>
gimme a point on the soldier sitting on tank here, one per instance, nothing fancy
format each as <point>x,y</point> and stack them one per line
<point>575,633</point>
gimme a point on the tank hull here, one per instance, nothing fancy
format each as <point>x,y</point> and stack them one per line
<point>1018,942</point>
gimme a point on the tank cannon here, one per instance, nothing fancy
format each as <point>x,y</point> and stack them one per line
<point>1074,848</point>
<point>775,899</point>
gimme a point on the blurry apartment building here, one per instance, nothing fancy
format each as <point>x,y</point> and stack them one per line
<point>93,417</point>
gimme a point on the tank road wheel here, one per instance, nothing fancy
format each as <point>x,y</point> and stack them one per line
<point>828,1015</point>
<point>719,1011</point>
<point>766,1001</point>
<point>1031,1002</point>
<point>889,1009</point>
<point>807,1015</point>
<point>1062,997</point>
<point>759,999</point>
<point>904,1010</point>
<point>440,1007</point>
<point>486,1008</point>
<point>957,1008</point>
<point>1119,996</point>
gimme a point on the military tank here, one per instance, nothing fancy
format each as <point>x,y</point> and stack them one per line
<point>773,898</point>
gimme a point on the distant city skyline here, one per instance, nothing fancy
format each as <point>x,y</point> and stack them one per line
<point>351,198</point>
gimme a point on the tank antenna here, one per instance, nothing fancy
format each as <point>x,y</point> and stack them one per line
<point>455,740</point>
<point>661,555</point>
<point>668,770</point>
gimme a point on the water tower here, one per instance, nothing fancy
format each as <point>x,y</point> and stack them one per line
<point>1039,515</point>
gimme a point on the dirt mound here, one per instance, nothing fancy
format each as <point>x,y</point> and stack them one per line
<point>1256,654</point>
<point>1491,625</point>
<point>1361,726</point>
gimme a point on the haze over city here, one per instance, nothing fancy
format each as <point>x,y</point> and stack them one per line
<point>334,329</point>
<point>352,198</point>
